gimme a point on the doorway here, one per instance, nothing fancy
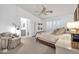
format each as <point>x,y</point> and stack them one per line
<point>25,27</point>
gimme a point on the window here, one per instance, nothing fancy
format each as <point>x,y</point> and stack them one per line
<point>49,25</point>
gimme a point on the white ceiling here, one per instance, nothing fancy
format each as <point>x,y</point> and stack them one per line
<point>58,9</point>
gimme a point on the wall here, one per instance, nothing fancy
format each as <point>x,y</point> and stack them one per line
<point>7,17</point>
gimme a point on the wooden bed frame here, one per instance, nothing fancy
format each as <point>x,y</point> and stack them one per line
<point>46,43</point>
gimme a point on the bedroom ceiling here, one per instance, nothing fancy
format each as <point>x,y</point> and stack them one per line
<point>58,9</point>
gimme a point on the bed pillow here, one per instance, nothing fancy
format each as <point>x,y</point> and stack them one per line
<point>59,31</point>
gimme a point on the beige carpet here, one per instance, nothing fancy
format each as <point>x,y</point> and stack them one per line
<point>30,46</point>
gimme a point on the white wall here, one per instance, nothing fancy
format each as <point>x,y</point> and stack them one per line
<point>7,17</point>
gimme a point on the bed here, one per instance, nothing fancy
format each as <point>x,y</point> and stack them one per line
<point>50,39</point>
<point>47,39</point>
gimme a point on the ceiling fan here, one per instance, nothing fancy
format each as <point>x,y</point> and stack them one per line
<point>45,11</point>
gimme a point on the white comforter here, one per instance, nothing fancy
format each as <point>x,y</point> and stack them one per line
<point>48,37</point>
